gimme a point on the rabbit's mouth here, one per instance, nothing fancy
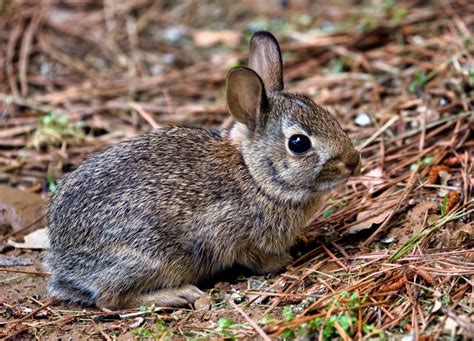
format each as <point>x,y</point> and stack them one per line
<point>330,184</point>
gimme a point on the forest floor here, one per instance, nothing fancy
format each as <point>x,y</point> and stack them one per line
<point>390,256</point>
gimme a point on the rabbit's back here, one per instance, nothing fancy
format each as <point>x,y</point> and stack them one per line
<point>148,182</point>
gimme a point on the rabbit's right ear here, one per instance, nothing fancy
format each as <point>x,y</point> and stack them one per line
<point>246,97</point>
<point>265,59</point>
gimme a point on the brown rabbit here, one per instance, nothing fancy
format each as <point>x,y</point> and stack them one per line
<point>147,219</point>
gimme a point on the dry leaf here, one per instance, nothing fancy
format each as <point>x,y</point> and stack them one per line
<point>436,307</point>
<point>35,240</point>
<point>373,178</point>
<point>138,322</point>
<point>206,38</point>
<point>204,302</point>
<point>367,218</point>
<point>19,208</point>
<point>444,176</point>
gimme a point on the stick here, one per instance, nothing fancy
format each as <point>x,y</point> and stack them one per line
<point>250,321</point>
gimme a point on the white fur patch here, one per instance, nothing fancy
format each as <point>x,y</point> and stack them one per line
<point>238,133</point>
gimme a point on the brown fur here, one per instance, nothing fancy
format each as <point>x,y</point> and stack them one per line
<point>149,217</point>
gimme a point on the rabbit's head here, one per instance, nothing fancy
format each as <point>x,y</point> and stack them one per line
<point>294,148</point>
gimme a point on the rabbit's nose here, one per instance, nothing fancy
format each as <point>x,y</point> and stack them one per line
<point>353,164</point>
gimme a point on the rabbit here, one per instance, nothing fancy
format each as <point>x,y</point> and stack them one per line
<point>148,219</point>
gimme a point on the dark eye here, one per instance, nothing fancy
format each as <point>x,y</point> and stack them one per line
<point>299,144</point>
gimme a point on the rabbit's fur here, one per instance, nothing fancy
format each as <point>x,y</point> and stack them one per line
<point>148,218</point>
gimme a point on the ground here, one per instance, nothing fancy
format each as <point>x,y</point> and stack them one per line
<point>390,256</point>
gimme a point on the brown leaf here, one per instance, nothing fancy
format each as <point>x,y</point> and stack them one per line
<point>205,38</point>
<point>19,208</point>
<point>367,218</point>
<point>35,240</point>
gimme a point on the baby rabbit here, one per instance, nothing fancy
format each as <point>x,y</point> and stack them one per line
<point>147,219</point>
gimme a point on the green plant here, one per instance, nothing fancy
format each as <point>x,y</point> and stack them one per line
<point>345,316</point>
<point>267,319</point>
<point>288,315</point>
<point>419,80</point>
<point>427,160</point>
<point>428,231</point>
<point>329,212</point>
<point>144,333</point>
<point>54,129</point>
<point>52,185</point>
<point>223,326</point>
<point>160,331</point>
<point>443,206</point>
<point>399,14</point>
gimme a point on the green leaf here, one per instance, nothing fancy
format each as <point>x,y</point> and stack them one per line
<point>413,166</point>
<point>419,80</point>
<point>327,213</point>
<point>353,299</point>
<point>344,322</point>
<point>428,160</point>
<point>266,319</point>
<point>160,325</point>
<point>288,334</point>
<point>444,205</point>
<point>225,323</point>
<point>52,186</point>
<point>63,120</point>
<point>399,14</point>
<point>288,313</point>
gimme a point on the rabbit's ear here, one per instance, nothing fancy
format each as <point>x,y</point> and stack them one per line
<point>265,59</point>
<point>246,97</point>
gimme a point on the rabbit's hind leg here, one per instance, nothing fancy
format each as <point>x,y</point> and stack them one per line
<point>172,297</point>
<point>73,291</point>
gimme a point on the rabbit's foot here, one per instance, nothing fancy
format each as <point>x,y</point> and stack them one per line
<point>172,297</point>
<point>273,263</point>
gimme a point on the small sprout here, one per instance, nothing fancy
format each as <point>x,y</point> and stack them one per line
<point>160,325</point>
<point>225,323</point>
<point>443,206</point>
<point>327,213</point>
<point>54,129</point>
<point>353,299</point>
<point>399,14</point>
<point>428,160</point>
<point>366,24</point>
<point>266,319</point>
<point>419,80</point>
<point>344,322</point>
<point>288,315</point>
<point>223,327</point>
<point>288,334</point>
<point>144,333</point>
<point>52,186</point>
<point>389,4</point>
<point>470,74</point>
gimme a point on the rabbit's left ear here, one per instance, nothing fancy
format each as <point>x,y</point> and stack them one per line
<point>246,97</point>
<point>265,59</point>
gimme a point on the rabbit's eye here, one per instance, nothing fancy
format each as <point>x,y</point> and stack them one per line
<point>299,144</point>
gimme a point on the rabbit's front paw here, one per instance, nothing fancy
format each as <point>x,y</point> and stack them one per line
<point>173,297</point>
<point>273,264</point>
